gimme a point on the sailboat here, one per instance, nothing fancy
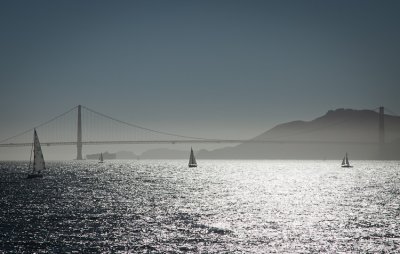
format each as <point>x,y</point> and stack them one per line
<point>345,162</point>
<point>101,158</point>
<point>38,160</point>
<point>192,160</point>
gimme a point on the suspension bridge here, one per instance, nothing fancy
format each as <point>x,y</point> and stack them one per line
<point>77,127</point>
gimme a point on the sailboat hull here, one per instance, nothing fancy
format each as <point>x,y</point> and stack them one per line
<point>192,165</point>
<point>346,166</point>
<point>30,176</point>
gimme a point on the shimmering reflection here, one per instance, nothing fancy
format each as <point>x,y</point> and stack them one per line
<point>219,207</point>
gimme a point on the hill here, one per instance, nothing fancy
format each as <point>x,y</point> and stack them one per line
<point>326,137</point>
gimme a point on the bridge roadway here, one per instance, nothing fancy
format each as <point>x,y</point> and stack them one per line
<point>193,141</point>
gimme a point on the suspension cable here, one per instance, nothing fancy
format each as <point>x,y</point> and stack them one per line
<point>143,128</point>
<point>40,125</point>
<point>391,111</point>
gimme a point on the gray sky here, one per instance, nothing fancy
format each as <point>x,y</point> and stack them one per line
<point>224,69</point>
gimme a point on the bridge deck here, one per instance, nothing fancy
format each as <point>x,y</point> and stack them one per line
<point>195,141</point>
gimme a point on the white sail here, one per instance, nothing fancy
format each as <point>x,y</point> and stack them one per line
<point>347,160</point>
<point>192,159</point>
<point>38,160</point>
<point>344,161</point>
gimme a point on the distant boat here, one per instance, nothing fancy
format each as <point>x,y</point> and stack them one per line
<point>345,162</point>
<point>38,160</point>
<point>101,158</point>
<point>192,160</point>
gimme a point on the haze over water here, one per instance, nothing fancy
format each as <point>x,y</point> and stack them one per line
<point>219,207</point>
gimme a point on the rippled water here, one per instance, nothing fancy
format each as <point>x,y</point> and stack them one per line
<point>218,207</point>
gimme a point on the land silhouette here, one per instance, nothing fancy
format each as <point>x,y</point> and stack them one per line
<point>327,137</point>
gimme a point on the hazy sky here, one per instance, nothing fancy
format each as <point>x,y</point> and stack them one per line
<point>225,69</point>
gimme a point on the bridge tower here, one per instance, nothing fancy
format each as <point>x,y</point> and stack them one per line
<point>79,136</point>
<point>381,125</point>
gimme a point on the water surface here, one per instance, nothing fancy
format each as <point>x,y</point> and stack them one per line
<point>218,207</point>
